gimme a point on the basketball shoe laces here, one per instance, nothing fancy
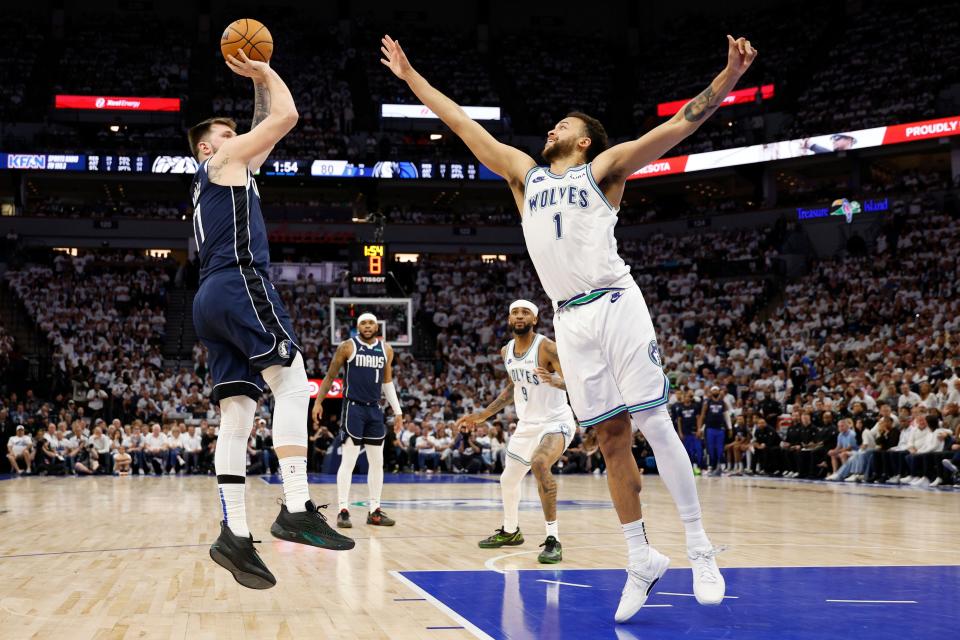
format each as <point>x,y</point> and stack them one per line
<point>701,560</point>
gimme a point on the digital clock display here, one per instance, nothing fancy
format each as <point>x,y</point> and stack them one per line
<point>282,167</point>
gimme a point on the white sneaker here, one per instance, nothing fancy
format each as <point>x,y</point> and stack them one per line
<point>832,477</point>
<point>936,482</point>
<point>852,478</point>
<point>640,580</point>
<point>893,480</point>
<point>907,480</point>
<point>920,482</point>
<point>708,583</point>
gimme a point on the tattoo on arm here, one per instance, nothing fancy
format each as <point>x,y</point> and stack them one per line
<point>214,170</point>
<point>261,103</point>
<point>702,106</point>
<point>505,398</point>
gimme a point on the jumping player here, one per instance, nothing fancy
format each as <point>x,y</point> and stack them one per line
<point>240,319</point>
<point>544,430</point>
<point>368,362</point>
<point>605,336</point>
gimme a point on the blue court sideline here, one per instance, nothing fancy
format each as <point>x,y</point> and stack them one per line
<point>788,603</point>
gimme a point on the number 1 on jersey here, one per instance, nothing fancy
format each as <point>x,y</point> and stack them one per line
<point>558,221</point>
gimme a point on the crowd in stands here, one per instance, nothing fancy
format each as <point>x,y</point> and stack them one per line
<point>849,371</point>
<point>824,82</point>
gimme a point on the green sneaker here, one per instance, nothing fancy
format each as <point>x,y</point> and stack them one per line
<point>501,538</point>
<point>696,470</point>
<point>552,552</point>
<point>309,527</point>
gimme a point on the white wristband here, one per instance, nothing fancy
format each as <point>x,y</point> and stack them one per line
<point>390,392</point>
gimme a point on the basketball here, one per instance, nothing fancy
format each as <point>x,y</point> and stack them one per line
<point>250,35</point>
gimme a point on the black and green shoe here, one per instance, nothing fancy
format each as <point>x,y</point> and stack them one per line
<point>309,527</point>
<point>237,555</point>
<point>552,551</point>
<point>502,539</point>
<point>380,519</point>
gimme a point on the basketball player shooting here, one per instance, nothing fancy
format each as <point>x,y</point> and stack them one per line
<point>368,365</point>
<point>605,336</point>
<point>544,430</point>
<point>242,322</point>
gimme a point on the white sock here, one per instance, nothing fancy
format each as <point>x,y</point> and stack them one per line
<point>230,460</point>
<point>374,475</point>
<point>234,508</point>
<point>553,529</point>
<point>696,536</point>
<point>349,452</point>
<point>293,471</point>
<point>510,479</point>
<point>638,548</point>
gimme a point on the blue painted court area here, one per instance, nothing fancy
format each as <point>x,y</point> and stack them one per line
<point>788,603</point>
<point>396,478</point>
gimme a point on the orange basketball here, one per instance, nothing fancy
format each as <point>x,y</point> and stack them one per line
<point>250,35</point>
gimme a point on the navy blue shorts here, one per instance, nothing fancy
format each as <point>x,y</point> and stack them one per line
<point>245,328</point>
<point>363,424</point>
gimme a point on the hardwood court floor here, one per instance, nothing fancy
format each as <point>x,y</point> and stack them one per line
<point>127,557</point>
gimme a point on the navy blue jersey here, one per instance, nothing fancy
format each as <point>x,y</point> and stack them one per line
<point>365,370</point>
<point>688,414</point>
<point>715,411</point>
<point>228,227</point>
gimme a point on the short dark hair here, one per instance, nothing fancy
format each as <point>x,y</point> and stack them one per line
<point>197,132</point>
<point>596,133</point>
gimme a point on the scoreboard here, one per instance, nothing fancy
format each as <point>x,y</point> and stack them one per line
<point>368,269</point>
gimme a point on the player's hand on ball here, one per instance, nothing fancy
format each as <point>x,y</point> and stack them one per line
<point>317,411</point>
<point>244,66</point>
<point>394,58</point>
<point>740,54</point>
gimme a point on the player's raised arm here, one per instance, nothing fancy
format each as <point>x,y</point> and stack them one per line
<point>344,351</point>
<point>390,390</point>
<point>615,164</point>
<point>507,162</point>
<point>275,114</point>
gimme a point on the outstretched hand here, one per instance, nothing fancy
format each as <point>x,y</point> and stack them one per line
<point>394,58</point>
<point>740,54</point>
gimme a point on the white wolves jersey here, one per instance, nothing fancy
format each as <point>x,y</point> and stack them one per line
<point>535,400</point>
<point>568,227</point>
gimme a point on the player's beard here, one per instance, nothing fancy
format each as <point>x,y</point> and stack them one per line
<point>521,331</point>
<point>558,149</point>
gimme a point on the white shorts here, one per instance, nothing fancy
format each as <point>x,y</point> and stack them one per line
<point>610,358</point>
<point>528,436</point>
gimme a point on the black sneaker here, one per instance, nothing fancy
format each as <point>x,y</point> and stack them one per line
<point>309,527</point>
<point>501,538</point>
<point>380,519</point>
<point>552,551</point>
<point>237,555</point>
<point>343,519</point>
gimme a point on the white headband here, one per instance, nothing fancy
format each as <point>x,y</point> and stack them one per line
<point>366,316</point>
<point>525,304</point>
